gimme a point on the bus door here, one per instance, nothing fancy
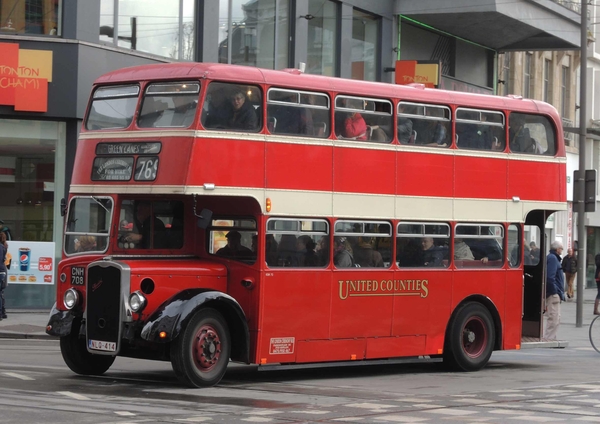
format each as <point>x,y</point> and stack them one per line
<point>534,280</point>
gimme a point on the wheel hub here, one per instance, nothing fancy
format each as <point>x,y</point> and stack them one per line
<point>474,337</point>
<point>207,348</point>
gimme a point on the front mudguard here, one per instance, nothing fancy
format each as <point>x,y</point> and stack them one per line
<point>59,323</point>
<point>173,315</point>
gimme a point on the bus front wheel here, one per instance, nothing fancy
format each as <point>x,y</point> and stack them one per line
<point>470,338</point>
<point>200,354</point>
<point>79,360</point>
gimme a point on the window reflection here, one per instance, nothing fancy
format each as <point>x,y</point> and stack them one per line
<point>30,16</point>
<point>322,40</point>
<point>151,26</point>
<point>365,30</point>
<point>254,33</point>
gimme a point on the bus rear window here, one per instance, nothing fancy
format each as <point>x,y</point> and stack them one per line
<point>532,134</point>
<point>112,107</point>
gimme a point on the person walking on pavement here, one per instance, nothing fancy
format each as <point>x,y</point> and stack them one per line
<point>555,284</point>
<point>3,272</point>
<point>597,301</point>
<point>569,266</point>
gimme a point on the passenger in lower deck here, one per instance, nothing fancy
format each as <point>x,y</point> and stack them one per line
<point>343,257</point>
<point>462,251</point>
<point>365,255</point>
<point>234,248</point>
<point>305,252</point>
<point>432,255</point>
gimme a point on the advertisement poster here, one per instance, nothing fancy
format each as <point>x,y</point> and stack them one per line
<point>32,262</point>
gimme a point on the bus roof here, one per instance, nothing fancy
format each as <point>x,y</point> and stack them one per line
<point>293,78</point>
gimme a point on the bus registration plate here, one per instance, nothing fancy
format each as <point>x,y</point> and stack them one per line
<point>100,345</point>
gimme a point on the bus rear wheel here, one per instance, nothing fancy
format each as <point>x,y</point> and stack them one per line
<point>79,360</point>
<point>470,338</point>
<point>200,354</point>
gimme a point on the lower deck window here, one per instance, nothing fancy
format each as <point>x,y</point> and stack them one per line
<point>362,244</point>
<point>298,243</point>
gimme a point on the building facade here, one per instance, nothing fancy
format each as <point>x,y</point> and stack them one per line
<point>52,50</point>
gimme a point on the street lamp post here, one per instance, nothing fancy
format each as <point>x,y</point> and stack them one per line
<point>581,232</point>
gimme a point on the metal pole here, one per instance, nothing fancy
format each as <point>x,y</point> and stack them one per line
<point>581,231</point>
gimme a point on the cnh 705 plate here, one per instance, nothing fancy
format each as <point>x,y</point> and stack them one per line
<point>101,345</point>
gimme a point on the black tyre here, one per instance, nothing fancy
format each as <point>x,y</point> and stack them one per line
<point>470,338</point>
<point>200,354</point>
<point>79,360</point>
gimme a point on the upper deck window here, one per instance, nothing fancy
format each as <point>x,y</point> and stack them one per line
<point>298,113</point>
<point>423,124</point>
<point>169,105</point>
<point>363,119</point>
<point>533,134</point>
<point>232,107</point>
<point>88,224</point>
<point>112,107</point>
<point>480,129</point>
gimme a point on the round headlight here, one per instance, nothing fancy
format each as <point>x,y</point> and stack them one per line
<point>71,298</point>
<point>137,301</point>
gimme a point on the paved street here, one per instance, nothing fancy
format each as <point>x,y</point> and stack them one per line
<point>538,385</point>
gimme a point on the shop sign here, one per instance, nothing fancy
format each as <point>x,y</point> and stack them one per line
<point>412,71</point>
<point>24,77</point>
<point>32,262</point>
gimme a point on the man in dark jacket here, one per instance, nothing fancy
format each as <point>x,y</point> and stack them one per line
<point>569,266</point>
<point>242,114</point>
<point>555,284</point>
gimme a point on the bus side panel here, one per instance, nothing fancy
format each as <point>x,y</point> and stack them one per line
<point>359,307</point>
<point>536,181</point>
<point>228,162</point>
<point>363,171</point>
<point>332,350</point>
<point>422,307</point>
<point>513,310</point>
<point>295,305</point>
<point>386,347</point>
<point>298,166</point>
<point>425,174</point>
<point>477,177</point>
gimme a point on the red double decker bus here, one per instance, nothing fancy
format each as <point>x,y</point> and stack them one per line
<point>224,213</point>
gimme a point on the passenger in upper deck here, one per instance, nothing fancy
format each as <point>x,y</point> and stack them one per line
<point>184,111</point>
<point>240,114</point>
<point>433,132</point>
<point>520,138</point>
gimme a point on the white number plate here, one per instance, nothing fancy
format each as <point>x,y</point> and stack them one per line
<point>100,345</point>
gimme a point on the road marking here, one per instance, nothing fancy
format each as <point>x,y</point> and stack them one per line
<point>19,376</point>
<point>125,413</point>
<point>74,395</point>
<point>401,419</point>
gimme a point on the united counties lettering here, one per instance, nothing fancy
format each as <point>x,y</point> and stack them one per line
<point>365,288</point>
